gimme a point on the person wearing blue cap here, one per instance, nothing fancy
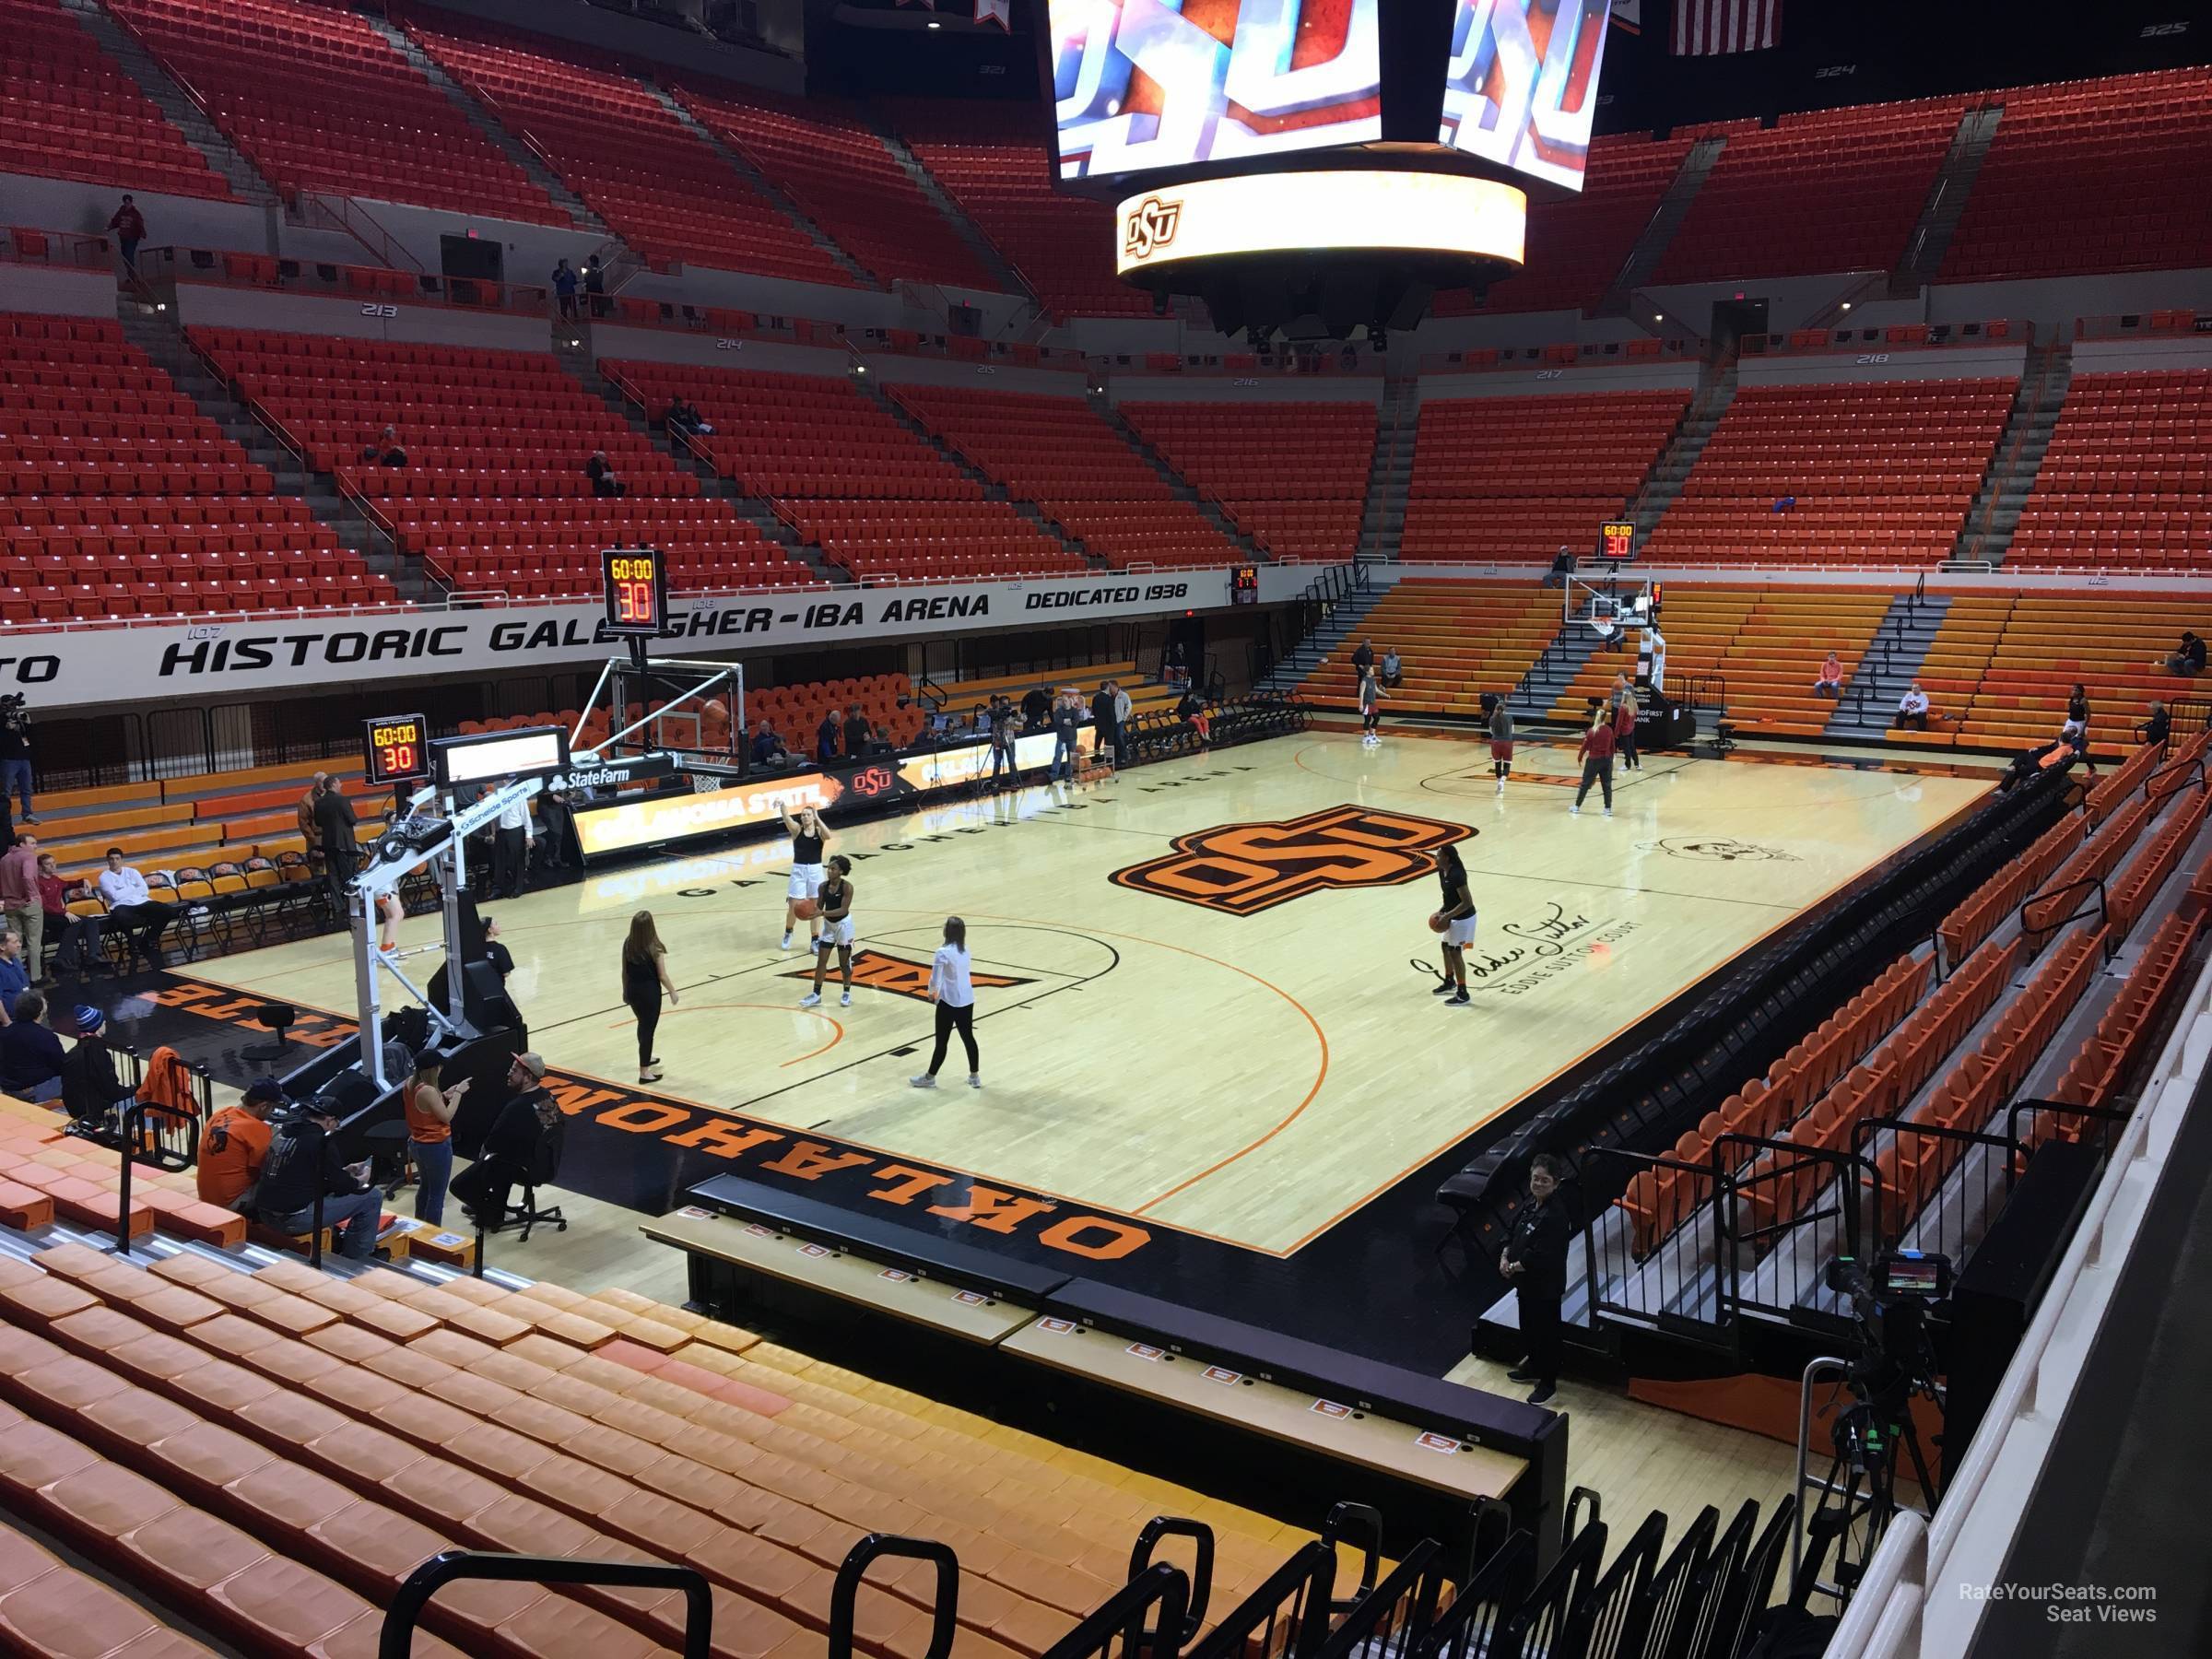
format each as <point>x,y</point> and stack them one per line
<point>90,1090</point>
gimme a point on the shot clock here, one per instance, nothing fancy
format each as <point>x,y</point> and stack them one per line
<point>396,748</point>
<point>1244,584</point>
<point>637,591</point>
<point>1616,539</point>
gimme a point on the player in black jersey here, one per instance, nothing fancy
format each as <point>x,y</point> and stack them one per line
<point>1457,913</point>
<point>836,923</point>
<point>806,837</point>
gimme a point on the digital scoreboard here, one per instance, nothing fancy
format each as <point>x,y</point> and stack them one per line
<point>396,748</point>
<point>1616,539</point>
<point>1244,584</point>
<point>637,591</point>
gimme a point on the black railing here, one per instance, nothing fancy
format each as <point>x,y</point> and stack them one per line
<point>1201,1573</point>
<point>156,1134</point>
<point>1657,1282</point>
<point>397,1641</point>
<point>1142,1620</point>
<point>1395,1613</point>
<point>2186,771</point>
<point>1949,1228</point>
<point>2041,934</point>
<point>1340,1526</point>
<point>2110,1118</point>
<point>1285,1618</point>
<point>853,1569</point>
<point>1542,1623</point>
<point>1807,1186</point>
<point>1469,1627</point>
<point>1666,1603</point>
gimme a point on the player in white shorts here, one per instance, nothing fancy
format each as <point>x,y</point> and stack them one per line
<point>836,899</point>
<point>806,837</point>
<point>1458,915</point>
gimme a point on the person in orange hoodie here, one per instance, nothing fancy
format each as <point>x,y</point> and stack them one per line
<point>235,1144</point>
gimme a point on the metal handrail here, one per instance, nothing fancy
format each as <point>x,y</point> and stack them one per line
<point>945,1611</point>
<point>135,1123</point>
<point>1142,1620</point>
<point>2050,927</point>
<point>1202,1566</point>
<point>397,1640</point>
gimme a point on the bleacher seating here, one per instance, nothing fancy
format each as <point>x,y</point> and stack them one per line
<point>318,100</point>
<point>867,489</point>
<point>1293,476</point>
<point>1060,454</point>
<point>1456,640</point>
<point>2092,176</point>
<point>1766,643</point>
<point>990,161</point>
<point>2126,481</point>
<point>1576,246</point>
<point>1878,472</point>
<point>1830,190</point>
<point>72,113</point>
<point>2044,645</point>
<point>1510,480</point>
<point>660,185</point>
<point>494,497</point>
<point>120,499</point>
<point>793,711</point>
<point>822,154</point>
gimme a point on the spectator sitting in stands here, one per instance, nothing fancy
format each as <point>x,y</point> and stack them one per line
<point>131,906</point>
<point>31,1055</point>
<point>385,450</point>
<point>303,1164</point>
<point>80,942</point>
<point>2159,727</point>
<point>129,226</point>
<point>90,1090</point>
<point>1830,683</point>
<point>684,418</point>
<point>768,747</point>
<point>236,1143</point>
<point>825,737</point>
<point>856,732</point>
<point>1362,658</point>
<point>600,472</point>
<point>2189,657</point>
<point>14,980</point>
<point>510,1147</point>
<point>1912,709</point>
<point>1392,670</point>
<point>564,290</point>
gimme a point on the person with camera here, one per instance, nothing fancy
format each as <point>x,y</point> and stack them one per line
<point>15,753</point>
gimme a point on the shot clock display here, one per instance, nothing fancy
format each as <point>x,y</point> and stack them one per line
<point>396,748</point>
<point>1616,539</point>
<point>637,591</point>
<point>1244,584</point>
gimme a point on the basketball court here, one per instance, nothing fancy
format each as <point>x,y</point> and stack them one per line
<point>1198,1002</point>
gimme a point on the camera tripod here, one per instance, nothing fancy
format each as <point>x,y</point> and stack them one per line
<point>1857,1497</point>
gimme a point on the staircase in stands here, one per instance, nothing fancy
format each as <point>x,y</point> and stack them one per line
<point>1008,280</point>
<point>764,184</point>
<point>1177,486</point>
<point>579,360</point>
<point>993,489</point>
<point>1891,662</point>
<point>188,118</point>
<point>154,334</point>
<point>1390,477</point>
<point>1947,200</point>
<point>510,144</point>
<point>1644,257</point>
<point>2010,478</point>
<point>1302,658</point>
<point>1716,389</point>
<point>1550,676</point>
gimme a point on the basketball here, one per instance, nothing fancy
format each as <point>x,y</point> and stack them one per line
<point>805,909</point>
<point>1437,923</point>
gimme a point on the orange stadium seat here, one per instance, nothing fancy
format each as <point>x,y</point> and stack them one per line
<point>1292,474</point>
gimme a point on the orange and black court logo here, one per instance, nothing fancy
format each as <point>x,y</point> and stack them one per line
<point>1246,868</point>
<point>900,977</point>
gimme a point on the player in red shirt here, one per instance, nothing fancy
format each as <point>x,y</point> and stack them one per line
<point>1598,758</point>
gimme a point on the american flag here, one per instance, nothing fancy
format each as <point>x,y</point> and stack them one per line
<point>1708,28</point>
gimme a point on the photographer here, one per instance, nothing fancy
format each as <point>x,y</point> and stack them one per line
<point>15,752</point>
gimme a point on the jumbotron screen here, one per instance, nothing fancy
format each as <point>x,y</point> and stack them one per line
<point>1142,86</point>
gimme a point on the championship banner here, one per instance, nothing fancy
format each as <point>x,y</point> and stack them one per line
<point>76,668</point>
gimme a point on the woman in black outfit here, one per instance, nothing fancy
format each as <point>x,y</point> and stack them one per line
<point>644,977</point>
<point>1535,1263</point>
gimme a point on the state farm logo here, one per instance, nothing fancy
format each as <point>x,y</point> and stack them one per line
<point>1152,227</point>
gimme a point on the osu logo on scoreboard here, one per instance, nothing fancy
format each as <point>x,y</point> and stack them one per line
<point>1246,868</point>
<point>1152,227</point>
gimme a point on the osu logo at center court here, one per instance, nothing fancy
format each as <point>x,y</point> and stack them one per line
<point>1152,227</point>
<point>1246,868</point>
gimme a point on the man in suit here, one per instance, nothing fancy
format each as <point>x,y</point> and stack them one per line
<point>1535,1263</point>
<point>334,816</point>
